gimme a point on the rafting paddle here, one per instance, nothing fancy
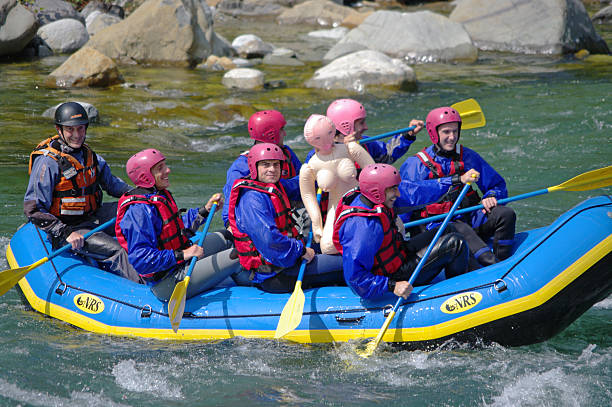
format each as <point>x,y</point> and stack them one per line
<point>292,313</point>
<point>599,178</point>
<point>176,304</point>
<point>371,347</point>
<point>8,278</point>
<point>469,110</point>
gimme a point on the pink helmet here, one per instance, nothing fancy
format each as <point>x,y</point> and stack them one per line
<point>319,132</point>
<point>265,126</point>
<point>263,151</point>
<point>375,179</point>
<point>438,117</point>
<point>138,167</point>
<point>344,112</point>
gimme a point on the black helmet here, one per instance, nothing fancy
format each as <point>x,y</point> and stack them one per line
<point>70,114</point>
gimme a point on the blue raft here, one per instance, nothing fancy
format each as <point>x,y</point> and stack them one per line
<point>555,274</point>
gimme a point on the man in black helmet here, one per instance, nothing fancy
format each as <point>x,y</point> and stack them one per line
<point>64,195</point>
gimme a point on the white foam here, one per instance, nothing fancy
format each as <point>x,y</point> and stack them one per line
<point>145,378</point>
<point>604,304</point>
<point>31,397</point>
<point>548,388</point>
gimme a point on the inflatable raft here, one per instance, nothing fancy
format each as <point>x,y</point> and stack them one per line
<point>555,274</point>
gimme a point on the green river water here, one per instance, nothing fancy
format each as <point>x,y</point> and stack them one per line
<point>548,119</point>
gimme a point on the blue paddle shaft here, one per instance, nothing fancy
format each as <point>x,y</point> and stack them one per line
<point>433,242</point>
<point>85,236</point>
<point>384,135</point>
<point>476,207</point>
<point>194,259</point>
<point>308,243</point>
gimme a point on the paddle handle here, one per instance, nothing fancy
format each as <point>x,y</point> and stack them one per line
<point>308,242</point>
<point>194,259</point>
<point>421,264</point>
<point>385,135</point>
<point>476,207</point>
<point>85,236</point>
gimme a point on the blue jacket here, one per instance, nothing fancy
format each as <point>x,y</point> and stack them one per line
<point>43,178</point>
<point>141,225</point>
<point>240,169</point>
<point>255,216</point>
<point>358,251</point>
<point>417,189</point>
<point>382,152</point>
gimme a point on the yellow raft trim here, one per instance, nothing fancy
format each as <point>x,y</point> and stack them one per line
<point>337,335</point>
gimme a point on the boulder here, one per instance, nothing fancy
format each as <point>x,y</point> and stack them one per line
<point>361,69</point>
<point>272,59</point>
<point>48,11</point>
<point>221,46</point>
<point>355,19</point>
<point>251,46</point>
<point>422,36</point>
<point>524,26</point>
<point>92,112</point>
<point>243,78</point>
<point>603,16</point>
<point>17,27</point>
<point>316,12</point>
<point>64,36</point>
<point>167,32</point>
<point>103,7</point>
<point>85,68</point>
<point>250,7</point>
<point>98,21</point>
<point>335,34</point>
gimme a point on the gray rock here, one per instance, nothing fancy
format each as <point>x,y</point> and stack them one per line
<point>524,26</point>
<point>341,49</point>
<point>48,11</point>
<point>250,7</point>
<point>246,63</point>
<point>98,21</point>
<point>603,16</point>
<point>243,78</point>
<point>251,46</point>
<point>167,32</point>
<point>17,27</point>
<point>272,59</point>
<point>335,34</point>
<point>422,36</point>
<point>85,68</point>
<point>221,46</point>
<point>360,69</point>
<point>67,35</point>
<point>284,52</point>
<point>315,12</point>
<point>91,110</point>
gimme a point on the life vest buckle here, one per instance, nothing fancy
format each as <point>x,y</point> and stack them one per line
<point>69,172</point>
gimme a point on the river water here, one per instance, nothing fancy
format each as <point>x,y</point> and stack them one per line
<point>548,119</point>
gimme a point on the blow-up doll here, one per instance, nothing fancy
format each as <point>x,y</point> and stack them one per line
<point>333,169</point>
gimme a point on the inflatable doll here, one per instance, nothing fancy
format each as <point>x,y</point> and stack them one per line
<point>333,168</point>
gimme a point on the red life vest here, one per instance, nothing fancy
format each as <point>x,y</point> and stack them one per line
<point>391,255</point>
<point>248,255</point>
<point>172,236</point>
<point>435,171</point>
<point>78,193</point>
<point>287,168</point>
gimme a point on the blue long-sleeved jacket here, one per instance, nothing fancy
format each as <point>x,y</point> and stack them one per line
<point>141,225</point>
<point>361,238</point>
<point>255,215</point>
<point>240,169</point>
<point>43,178</point>
<point>382,152</point>
<point>417,189</point>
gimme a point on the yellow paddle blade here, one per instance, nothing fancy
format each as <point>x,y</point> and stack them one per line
<point>599,178</point>
<point>471,114</point>
<point>292,313</point>
<point>8,278</point>
<point>176,305</point>
<point>373,344</point>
